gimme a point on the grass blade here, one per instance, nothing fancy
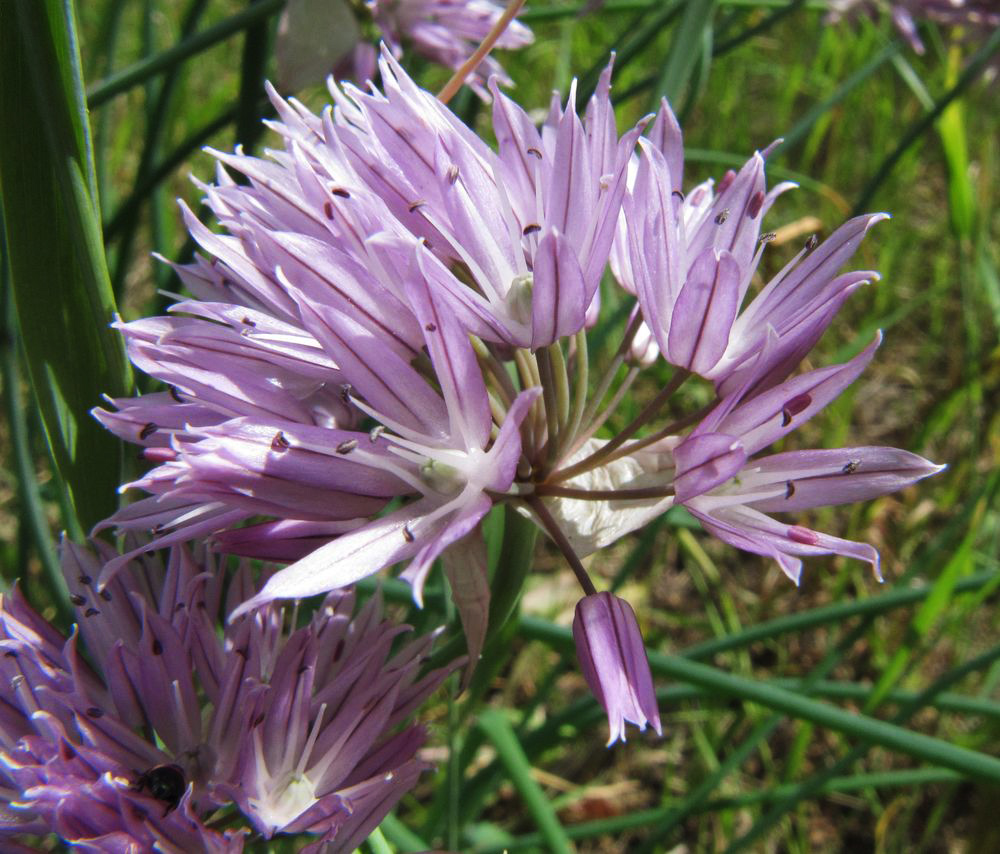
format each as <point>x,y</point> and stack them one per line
<point>60,279</point>
<point>870,730</point>
<point>971,72</point>
<point>685,51</point>
<point>121,81</point>
<point>498,730</point>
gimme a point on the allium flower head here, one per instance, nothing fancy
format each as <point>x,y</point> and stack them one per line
<point>391,337</point>
<point>293,726</point>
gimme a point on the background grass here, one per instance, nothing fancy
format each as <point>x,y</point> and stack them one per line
<point>755,676</point>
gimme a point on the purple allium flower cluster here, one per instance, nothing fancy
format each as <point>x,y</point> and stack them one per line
<point>319,37</point>
<point>137,738</point>
<point>390,336</point>
<point>973,14</point>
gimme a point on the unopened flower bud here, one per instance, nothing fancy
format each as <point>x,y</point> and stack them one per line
<point>613,661</point>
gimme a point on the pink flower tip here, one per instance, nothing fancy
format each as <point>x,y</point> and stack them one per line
<point>614,663</point>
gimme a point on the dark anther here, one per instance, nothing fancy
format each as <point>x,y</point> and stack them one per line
<point>767,237</point>
<point>789,489</point>
<point>10,654</point>
<point>78,600</point>
<point>176,395</point>
<point>85,580</point>
<point>147,431</point>
<point>91,612</point>
<point>452,174</point>
<point>756,203</point>
<point>726,182</point>
<point>677,194</point>
<point>105,594</point>
<point>328,210</point>
<point>722,216</point>
<point>242,653</point>
<point>535,153</point>
<point>812,243</point>
<point>430,327</point>
<point>347,447</point>
<point>345,392</point>
<point>375,432</point>
<point>248,322</point>
<point>302,669</point>
<point>414,205</point>
<point>94,712</point>
<point>157,647</point>
<point>340,191</point>
<point>851,466</point>
<point>408,534</point>
<point>531,229</point>
<point>793,407</point>
<point>280,442</point>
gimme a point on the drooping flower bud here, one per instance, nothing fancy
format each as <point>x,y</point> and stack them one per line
<point>614,663</point>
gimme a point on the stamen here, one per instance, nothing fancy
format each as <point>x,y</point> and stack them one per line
<point>535,152</point>
<point>793,407</point>
<point>812,243</point>
<point>147,431</point>
<point>340,191</point>
<point>347,447</point>
<point>722,216</point>
<point>851,467</point>
<point>798,534</point>
<point>408,534</point>
<point>789,489</point>
<point>415,205</point>
<point>280,442</point>
<point>531,229</point>
<point>726,181</point>
<point>375,433</point>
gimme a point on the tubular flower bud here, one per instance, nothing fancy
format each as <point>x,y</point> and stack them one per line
<point>614,663</point>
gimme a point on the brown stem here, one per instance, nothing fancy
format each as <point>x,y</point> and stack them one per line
<point>470,65</point>
<point>648,412</point>
<point>554,531</point>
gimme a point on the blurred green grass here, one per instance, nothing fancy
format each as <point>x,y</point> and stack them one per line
<point>933,389</point>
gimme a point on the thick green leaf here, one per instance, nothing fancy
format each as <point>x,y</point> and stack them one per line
<point>58,269</point>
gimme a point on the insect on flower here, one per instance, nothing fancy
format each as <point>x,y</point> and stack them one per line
<point>165,783</point>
